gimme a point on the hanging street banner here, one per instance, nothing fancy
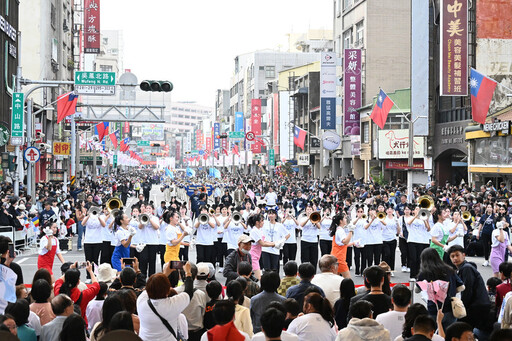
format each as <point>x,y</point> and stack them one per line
<point>17,131</point>
<point>256,123</point>
<point>239,121</point>
<point>328,90</point>
<point>453,68</point>
<point>352,85</point>
<point>216,132</point>
<point>92,38</point>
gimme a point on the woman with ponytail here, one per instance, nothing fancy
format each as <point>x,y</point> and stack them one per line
<point>317,322</point>
<point>340,242</point>
<point>123,235</point>
<point>67,284</point>
<point>255,223</point>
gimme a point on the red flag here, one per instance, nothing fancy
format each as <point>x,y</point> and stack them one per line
<point>235,150</point>
<point>299,137</point>
<point>482,89</point>
<point>102,130</point>
<point>216,154</point>
<point>225,151</point>
<point>113,138</point>
<point>381,109</point>
<point>66,106</point>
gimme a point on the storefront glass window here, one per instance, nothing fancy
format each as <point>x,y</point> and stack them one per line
<point>496,150</point>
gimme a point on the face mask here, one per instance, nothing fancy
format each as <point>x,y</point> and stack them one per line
<point>244,251</point>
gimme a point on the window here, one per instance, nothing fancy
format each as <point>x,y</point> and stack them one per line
<point>106,68</point>
<point>270,71</point>
<point>347,4</point>
<point>261,68</point>
<point>338,7</point>
<point>359,33</point>
<point>53,16</point>
<point>262,92</point>
<point>105,41</point>
<point>366,132</point>
<point>347,39</point>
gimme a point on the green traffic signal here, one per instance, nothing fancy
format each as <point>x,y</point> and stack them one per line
<point>156,86</point>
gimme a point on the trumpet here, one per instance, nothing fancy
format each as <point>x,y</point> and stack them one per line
<point>424,214</point>
<point>114,204</point>
<point>144,218</point>
<point>203,218</point>
<point>94,210</point>
<point>364,216</point>
<point>315,217</point>
<point>212,210</point>
<point>236,217</point>
<point>466,216</point>
<point>426,202</point>
<point>381,216</point>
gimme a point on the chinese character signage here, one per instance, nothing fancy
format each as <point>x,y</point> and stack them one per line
<point>209,144</point>
<point>216,132</point>
<point>394,144</point>
<point>61,148</point>
<point>352,86</point>
<point>199,139</point>
<point>256,123</point>
<point>328,90</point>
<point>239,121</point>
<point>454,48</point>
<point>178,150</point>
<point>92,26</point>
<point>17,132</point>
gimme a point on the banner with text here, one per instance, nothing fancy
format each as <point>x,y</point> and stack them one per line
<point>352,85</point>
<point>328,90</point>
<point>92,37</point>
<point>239,121</point>
<point>256,123</point>
<point>394,144</point>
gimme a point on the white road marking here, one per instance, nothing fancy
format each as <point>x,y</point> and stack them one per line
<point>21,260</point>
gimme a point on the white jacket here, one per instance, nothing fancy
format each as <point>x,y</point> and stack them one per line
<point>366,329</point>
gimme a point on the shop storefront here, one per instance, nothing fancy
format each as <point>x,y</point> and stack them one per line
<point>450,152</point>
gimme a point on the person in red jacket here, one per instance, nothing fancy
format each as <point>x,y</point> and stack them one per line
<point>67,284</point>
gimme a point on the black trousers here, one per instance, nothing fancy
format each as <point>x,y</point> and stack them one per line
<point>106,252</point>
<point>389,252</point>
<point>372,253</point>
<point>349,257</point>
<point>205,253</point>
<point>92,253</point>
<point>161,251</point>
<point>146,196</point>
<point>415,250</point>
<point>184,253</point>
<point>289,252</point>
<point>325,247</point>
<point>404,252</point>
<point>486,242</point>
<point>309,252</point>
<point>220,252</point>
<point>359,260</point>
<point>270,261</point>
<point>147,261</point>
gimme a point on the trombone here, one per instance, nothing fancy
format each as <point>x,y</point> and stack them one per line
<point>212,210</point>
<point>236,217</point>
<point>203,218</point>
<point>381,216</point>
<point>426,202</point>
<point>143,218</point>
<point>466,216</point>
<point>315,217</point>
<point>424,214</point>
<point>94,210</point>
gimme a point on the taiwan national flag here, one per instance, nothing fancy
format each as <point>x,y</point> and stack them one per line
<point>66,106</point>
<point>124,144</point>
<point>101,130</point>
<point>482,89</point>
<point>113,138</point>
<point>299,137</point>
<point>381,109</point>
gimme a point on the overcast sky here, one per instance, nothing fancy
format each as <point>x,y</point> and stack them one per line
<point>194,43</point>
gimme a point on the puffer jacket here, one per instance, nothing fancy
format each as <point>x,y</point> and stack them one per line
<point>366,329</point>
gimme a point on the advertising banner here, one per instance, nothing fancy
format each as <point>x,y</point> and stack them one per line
<point>256,123</point>
<point>152,131</point>
<point>394,144</point>
<point>285,132</point>
<point>209,144</point>
<point>92,38</point>
<point>275,123</point>
<point>404,164</point>
<point>178,150</point>
<point>352,85</point>
<point>303,159</point>
<point>453,69</point>
<point>61,148</point>
<point>328,90</point>
<point>239,121</point>
<point>216,132</point>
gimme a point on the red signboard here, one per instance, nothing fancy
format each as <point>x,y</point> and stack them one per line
<point>403,164</point>
<point>126,128</point>
<point>178,150</point>
<point>92,26</point>
<point>256,123</point>
<point>209,144</point>
<point>454,48</point>
<point>199,139</point>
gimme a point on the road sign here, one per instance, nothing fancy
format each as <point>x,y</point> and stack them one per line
<point>250,136</point>
<point>236,134</point>
<point>142,143</point>
<point>17,119</point>
<point>271,158</point>
<point>95,83</point>
<point>114,159</point>
<point>32,154</point>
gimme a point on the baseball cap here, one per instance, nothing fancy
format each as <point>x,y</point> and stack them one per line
<point>203,269</point>
<point>245,239</point>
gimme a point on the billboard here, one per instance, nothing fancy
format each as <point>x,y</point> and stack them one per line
<point>256,123</point>
<point>275,123</point>
<point>352,90</point>
<point>92,38</point>
<point>328,90</point>
<point>285,132</point>
<point>453,68</point>
<point>239,121</point>
<point>394,144</point>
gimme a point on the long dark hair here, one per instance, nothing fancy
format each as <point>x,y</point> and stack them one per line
<point>414,310</point>
<point>253,218</point>
<point>335,223</point>
<point>347,291</point>
<point>432,266</point>
<point>73,329</point>
<point>321,305</point>
<point>118,220</point>
<point>111,306</point>
<point>71,278</point>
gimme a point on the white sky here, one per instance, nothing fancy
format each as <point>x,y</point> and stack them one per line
<point>193,43</point>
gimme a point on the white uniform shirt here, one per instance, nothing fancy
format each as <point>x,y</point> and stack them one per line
<point>389,231</point>
<point>220,228</point>
<point>231,234</point>
<point>121,234</point>
<point>325,228</point>
<point>309,231</point>
<point>163,228</point>
<point>273,233</point>
<point>312,326</point>
<point>458,230</point>
<point>290,226</point>
<point>93,231</point>
<point>271,198</point>
<point>151,236</point>
<point>360,233</point>
<point>138,238</point>
<point>43,243</point>
<point>374,233</point>
<point>204,234</point>
<point>418,232</point>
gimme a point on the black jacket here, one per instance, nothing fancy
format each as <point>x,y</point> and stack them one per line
<point>475,292</point>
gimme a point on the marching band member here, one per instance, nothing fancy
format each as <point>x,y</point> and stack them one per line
<point>175,232</point>
<point>291,224</point>
<point>373,244</point>
<point>340,241</point>
<point>147,261</point>
<point>389,232</point>
<point>123,233</point>
<point>93,240</point>
<point>49,248</point>
<point>359,237</point>
<point>256,221</point>
<point>457,230</point>
<point>274,232</point>
<point>309,242</point>
<point>109,240</point>
<point>325,238</point>
<point>185,243</point>
<point>402,238</point>
<point>439,232</point>
<point>232,230</point>
<point>220,246</point>
<point>417,241</point>
<point>247,211</point>
<point>206,234</point>
<point>137,239</point>
<point>162,246</point>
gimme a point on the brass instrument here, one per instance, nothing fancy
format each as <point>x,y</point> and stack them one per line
<point>236,217</point>
<point>381,216</point>
<point>424,214</point>
<point>94,210</point>
<point>426,202</point>
<point>364,216</point>
<point>212,210</point>
<point>114,204</point>
<point>315,217</point>
<point>144,218</point>
<point>203,218</point>
<point>466,216</point>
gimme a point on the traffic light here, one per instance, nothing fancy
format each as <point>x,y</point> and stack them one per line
<point>155,144</point>
<point>150,85</point>
<point>12,163</point>
<point>222,136</point>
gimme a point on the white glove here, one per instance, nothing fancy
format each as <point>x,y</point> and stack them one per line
<point>445,248</point>
<point>189,231</point>
<point>351,228</point>
<point>357,243</point>
<point>460,234</point>
<point>48,231</point>
<point>279,244</point>
<point>132,231</point>
<point>499,225</point>
<point>140,247</point>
